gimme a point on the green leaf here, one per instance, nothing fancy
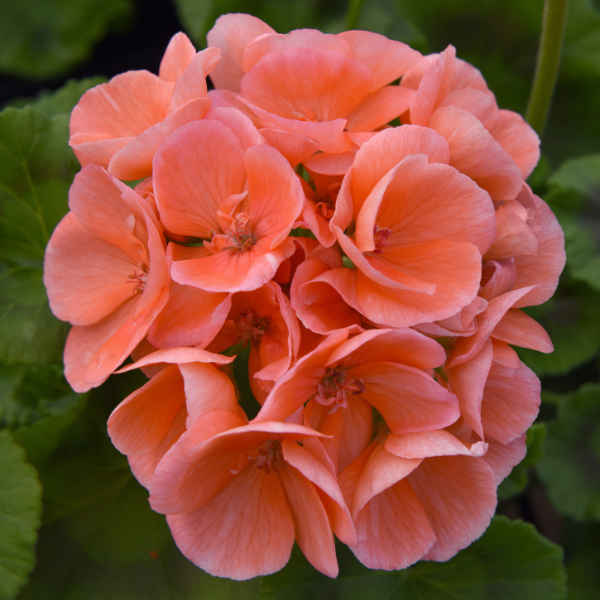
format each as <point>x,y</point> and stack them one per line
<point>582,568</point>
<point>20,508</point>
<point>36,169</point>
<point>573,195</point>
<point>581,57</point>
<point>29,333</point>
<point>10,410</point>
<point>511,560</point>
<point>30,395</point>
<point>385,17</point>
<point>46,38</point>
<point>517,481</point>
<point>570,467</point>
<point>572,319</point>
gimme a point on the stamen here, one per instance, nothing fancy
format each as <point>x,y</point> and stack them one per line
<point>139,279</point>
<point>335,387</point>
<point>380,236</point>
<point>326,199</point>
<point>251,328</point>
<point>269,457</point>
<point>237,237</point>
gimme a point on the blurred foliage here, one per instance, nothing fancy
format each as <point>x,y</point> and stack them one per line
<point>582,571</point>
<point>99,539</point>
<point>570,466</point>
<point>47,38</point>
<point>20,507</point>
<point>511,560</point>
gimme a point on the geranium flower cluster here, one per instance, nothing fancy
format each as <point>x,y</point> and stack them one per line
<point>376,271</point>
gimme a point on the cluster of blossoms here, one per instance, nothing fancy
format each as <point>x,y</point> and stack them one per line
<point>377,273</point>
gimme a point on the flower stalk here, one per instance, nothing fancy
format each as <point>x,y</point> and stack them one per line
<point>548,61</point>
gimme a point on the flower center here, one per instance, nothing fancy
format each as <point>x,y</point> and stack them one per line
<point>269,457</point>
<point>251,328</point>
<point>140,279</point>
<point>334,389</point>
<point>326,201</point>
<point>235,237</point>
<point>380,237</point>
<point>239,237</point>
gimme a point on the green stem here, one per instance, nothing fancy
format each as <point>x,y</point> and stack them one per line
<point>548,61</point>
<point>353,14</point>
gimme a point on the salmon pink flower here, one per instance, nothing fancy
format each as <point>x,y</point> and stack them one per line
<point>221,185</point>
<point>105,272</point>
<point>151,419</point>
<point>318,305</point>
<point>120,124</point>
<point>484,361</point>
<point>344,378</point>
<point>264,320</point>
<point>414,228</point>
<point>496,148</point>
<point>237,495</point>
<point>343,91</point>
<point>529,234</point>
<point>419,495</point>
<point>320,204</point>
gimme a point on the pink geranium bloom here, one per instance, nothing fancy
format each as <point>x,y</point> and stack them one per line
<point>318,305</point>
<point>215,180</point>
<point>527,252</point>
<point>151,419</point>
<point>106,273</point>
<point>120,124</point>
<point>237,495</point>
<point>419,495</point>
<point>483,362</point>
<point>452,97</point>
<point>414,228</point>
<point>344,378</point>
<point>265,320</point>
<point>528,233</point>
<point>320,204</point>
<point>343,91</point>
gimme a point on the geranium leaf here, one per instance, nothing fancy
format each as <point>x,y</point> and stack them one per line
<point>20,508</point>
<point>570,467</point>
<point>511,560</point>
<point>582,568</point>
<point>573,195</point>
<point>29,332</point>
<point>46,38</point>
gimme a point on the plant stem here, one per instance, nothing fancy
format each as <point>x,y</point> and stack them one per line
<point>353,14</point>
<point>548,61</point>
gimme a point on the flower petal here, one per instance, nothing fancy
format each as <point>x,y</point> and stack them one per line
<point>232,33</point>
<point>179,54</point>
<point>245,531</point>
<point>458,494</point>
<point>387,59</point>
<point>196,169</point>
